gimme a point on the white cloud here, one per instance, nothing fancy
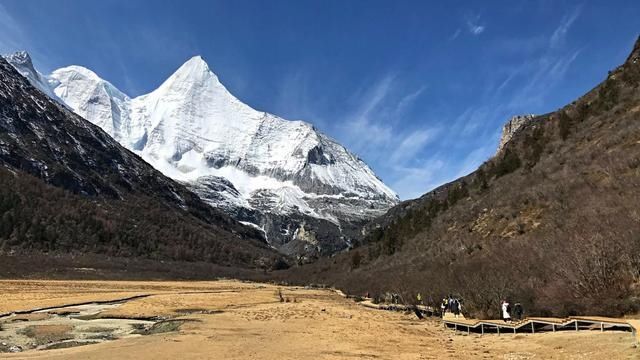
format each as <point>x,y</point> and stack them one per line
<point>363,129</point>
<point>411,145</point>
<point>373,131</point>
<point>369,129</point>
<point>474,26</point>
<point>377,95</point>
<point>558,36</point>
<point>476,29</point>
<point>542,74</point>
<point>408,100</point>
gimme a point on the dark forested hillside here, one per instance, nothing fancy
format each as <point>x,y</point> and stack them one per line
<point>67,187</point>
<point>552,220</point>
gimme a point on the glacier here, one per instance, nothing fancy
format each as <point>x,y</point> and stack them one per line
<point>307,192</point>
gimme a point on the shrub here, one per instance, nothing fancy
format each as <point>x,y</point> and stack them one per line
<point>534,143</point>
<point>481,180</point>
<point>509,163</point>
<point>280,264</point>
<point>356,259</point>
<point>457,192</point>
<point>564,125</point>
<point>608,94</point>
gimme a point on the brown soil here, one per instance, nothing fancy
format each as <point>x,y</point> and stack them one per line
<point>247,320</point>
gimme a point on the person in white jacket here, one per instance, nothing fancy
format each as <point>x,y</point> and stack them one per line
<point>506,309</point>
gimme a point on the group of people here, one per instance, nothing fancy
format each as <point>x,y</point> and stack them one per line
<point>452,305</point>
<point>506,310</point>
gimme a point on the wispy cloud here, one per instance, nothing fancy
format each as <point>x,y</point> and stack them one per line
<point>377,129</point>
<point>409,99</point>
<point>474,26</point>
<point>363,129</point>
<point>558,36</point>
<point>539,75</point>
<point>411,145</point>
<point>371,126</point>
<point>455,34</point>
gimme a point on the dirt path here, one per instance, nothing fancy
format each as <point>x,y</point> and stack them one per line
<point>236,320</point>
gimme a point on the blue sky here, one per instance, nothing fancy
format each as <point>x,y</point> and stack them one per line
<point>418,89</point>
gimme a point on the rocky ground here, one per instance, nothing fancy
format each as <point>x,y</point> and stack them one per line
<point>236,320</point>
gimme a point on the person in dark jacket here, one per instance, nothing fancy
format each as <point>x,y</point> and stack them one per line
<point>518,311</point>
<point>455,307</point>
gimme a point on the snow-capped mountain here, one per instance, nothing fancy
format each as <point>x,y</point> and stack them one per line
<point>307,192</point>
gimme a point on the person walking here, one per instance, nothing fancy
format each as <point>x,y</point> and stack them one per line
<point>518,311</point>
<point>455,307</point>
<point>443,306</point>
<point>506,311</point>
<point>419,298</point>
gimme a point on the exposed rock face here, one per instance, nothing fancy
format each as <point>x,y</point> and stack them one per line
<point>282,176</point>
<point>511,127</point>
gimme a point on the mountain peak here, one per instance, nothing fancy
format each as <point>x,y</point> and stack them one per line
<point>195,69</point>
<point>20,57</point>
<point>198,58</point>
<point>81,71</point>
<point>21,61</point>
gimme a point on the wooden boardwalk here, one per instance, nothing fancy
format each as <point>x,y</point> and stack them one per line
<point>529,324</point>
<point>536,324</point>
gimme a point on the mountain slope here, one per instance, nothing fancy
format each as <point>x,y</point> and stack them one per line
<point>550,221</point>
<point>283,176</point>
<point>67,186</point>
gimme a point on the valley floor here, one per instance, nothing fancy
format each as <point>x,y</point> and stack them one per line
<point>241,320</point>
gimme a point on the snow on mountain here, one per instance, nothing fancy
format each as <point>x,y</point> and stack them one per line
<point>91,97</point>
<point>256,165</point>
